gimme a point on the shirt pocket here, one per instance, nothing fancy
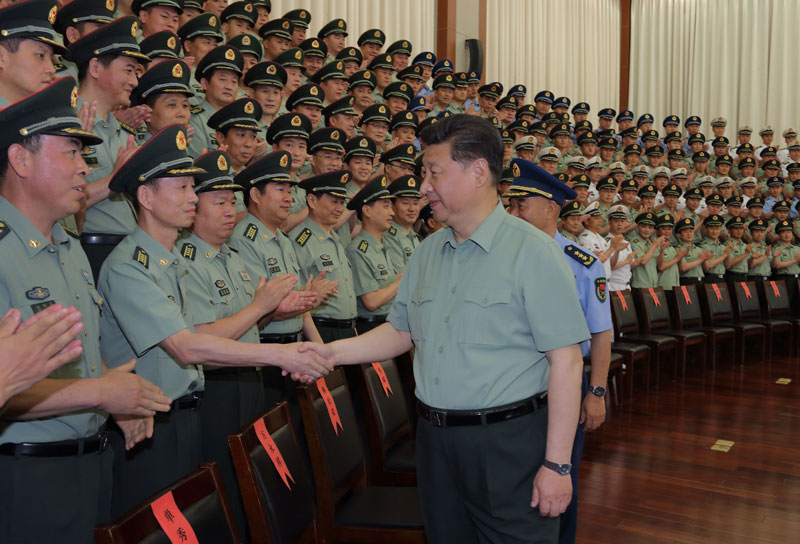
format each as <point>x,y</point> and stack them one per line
<point>419,312</point>
<point>484,316</point>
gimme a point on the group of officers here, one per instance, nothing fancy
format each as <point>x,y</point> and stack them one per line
<point>188,190</point>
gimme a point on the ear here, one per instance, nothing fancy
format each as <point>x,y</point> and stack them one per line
<point>72,34</point>
<point>94,68</point>
<point>20,160</point>
<point>255,195</point>
<point>480,170</point>
<point>145,195</point>
<point>220,138</point>
<point>204,84</point>
<point>311,200</point>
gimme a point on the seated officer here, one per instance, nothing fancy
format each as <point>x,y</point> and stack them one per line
<point>27,44</point>
<point>266,80</point>
<point>401,239</point>
<point>320,250</point>
<point>404,127</point>
<point>332,81</point>
<point>219,74</point>
<point>222,300</point>
<point>374,276</point>
<point>333,34</point>
<point>157,15</point>
<point>361,86</point>
<point>381,67</point>
<point>326,148</point>
<point>341,115</point>
<point>237,19</point>
<point>443,87</point>
<point>397,96</point>
<point>55,468</point>
<point>736,261</point>
<point>399,161</point>
<point>307,99</point>
<point>147,317</point>
<point>277,36</point>
<point>314,53</point>
<point>351,57</point>
<point>164,88</point>
<point>236,128</point>
<point>786,258</point>
<point>290,133</point>
<point>78,19</point>
<point>371,42</point>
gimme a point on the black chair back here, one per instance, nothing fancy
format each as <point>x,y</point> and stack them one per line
<point>655,310</point>
<point>747,303</point>
<point>623,312</point>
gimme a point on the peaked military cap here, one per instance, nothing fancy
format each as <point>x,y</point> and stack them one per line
<point>750,181</point>
<point>520,125</point>
<point>714,199</point>
<point>676,154</point>
<point>309,94</point>
<point>569,209</point>
<point>400,46</point>
<point>116,38</point>
<point>298,17</point>
<point>509,102</point>
<point>443,66</point>
<point>376,112</point>
<point>724,159</point>
<point>426,58</point>
<point>700,156</point>
<point>425,123</point>
<point>648,191</point>
<point>630,132</point>
<point>403,119</point>
<point>267,4</point>
<point>633,149</point>
<point>755,202</point>
<point>266,73</point>
<point>766,131</point>
<point>713,220</point>
<point>684,224</point>
<point>607,183</point>
<point>332,70</point>
<point>362,77</point>
<point>326,139</point>
<point>646,218</point>
<point>559,130</point>
<point>342,106</point>
<point>401,153</point>
<point>535,181</point>
<point>625,115</point>
<point>360,146</point>
<point>413,71</point>
<point>376,189</point>
<point>538,128</point>
<point>789,133</point>
<point>640,170</point>
<point>331,183</point>
<point>289,125</point>
<point>581,107</point>
<point>543,96</point>
<point>580,181</point>
<point>170,76</point>
<point>506,136</point>
<point>32,20</point>
<point>280,28</point>
<point>419,103</point>
<point>336,26</point>
<point>678,173</point>
<point>775,181</point>
<point>644,118</point>
<point>82,11</point>
<point>381,61</point>
<point>705,181</point>
<point>655,151</point>
<point>217,176</point>
<point>399,89</point>
<point>629,185</point>
<point>772,163</point>
<point>242,10</point>
<point>734,201</point>
<point>782,206</point>
<point>162,45</point>
<point>526,142</point>
<point>374,36</point>
<point>671,120</point>
<point>243,113</point>
<point>461,80</point>
<point>587,138</point>
<point>314,47</point>
<point>549,153</point>
<point>527,109</point>
<point>518,90</point>
<point>473,76</point>
<point>699,137</point>
<point>650,135</point>
<point>205,24</point>
<point>607,113</point>
<point>350,54</point>
<point>406,186</point>
<point>720,142</point>
<point>769,151</point>
<point>618,211</point>
<point>506,176</point>
<point>693,193</point>
<point>562,102</point>
<point>269,168</point>
<point>248,44</point>
<point>195,4</point>
<point>490,89</point>
<point>675,136</point>
<point>671,190</point>
<point>734,222</point>
<point>291,58</point>
<point>757,224</point>
<point>162,156</point>
<point>139,5</point>
<point>607,143</point>
<point>693,120</point>
<point>222,57</point>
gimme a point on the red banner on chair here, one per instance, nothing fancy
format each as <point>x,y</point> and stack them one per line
<point>172,521</point>
<point>686,296</point>
<point>716,291</point>
<point>622,300</point>
<point>272,450</point>
<point>775,289</point>
<point>746,289</point>
<point>333,413</point>
<point>655,297</point>
<point>387,388</point>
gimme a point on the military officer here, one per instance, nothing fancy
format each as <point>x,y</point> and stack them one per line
<point>77,19</point>
<point>165,89</point>
<point>200,36</point>
<point>401,239</point>
<point>290,132</point>
<point>381,66</point>
<point>333,34</point>
<point>786,258</point>
<point>644,269</point>
<point>320,249</point>
<point>371,42</point>
<point>266,80</point>
<point>759,264</point>
<point>714,266</point>
<point>238,18</point>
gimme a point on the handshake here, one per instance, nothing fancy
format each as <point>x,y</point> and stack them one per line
<point>305,362</point>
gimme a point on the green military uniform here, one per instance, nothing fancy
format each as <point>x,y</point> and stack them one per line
<point>788,252</point>
<point>739,249</point>
<point>716,248</point>
<point>670,277</point>
<point>644,275</point>
<point>764,269</point>
<point>204,137</point>
<point>695,273</point>
<point>400,245</point>
<point>372,269</point>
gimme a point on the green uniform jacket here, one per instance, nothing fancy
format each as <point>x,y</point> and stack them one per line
<point>716,248</point>
<point>739,248</point>
<point>372,270</point>
<point>765,268</point>
<point>36,274</point>
<point>788,252</point>
<point>204,136</point>
<point>645,275</point>
<point>400,245</point>
<point>694,253</point>
<point>670,277</point>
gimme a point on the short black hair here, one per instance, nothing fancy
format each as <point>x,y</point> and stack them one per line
<point>105,60</point>
<point>470,138</point>
<point>31,143</point>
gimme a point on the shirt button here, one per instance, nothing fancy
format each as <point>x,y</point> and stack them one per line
<point>453,289</point>
<point>447,319</point>
<point>436,381</point>
<point>92,368</point>
<point>461,261</point>
<point>441,349</point>
<point>85,332</point>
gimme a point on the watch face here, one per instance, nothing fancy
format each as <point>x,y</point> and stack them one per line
<point>598,390</point>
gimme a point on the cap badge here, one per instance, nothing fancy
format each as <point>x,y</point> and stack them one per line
<point>515,170</point>
<point>180,140</point>
<point>383,181</point>
<point>335,135</point>
<point>230,55</point>
<point>222,164</point>
<point>248,108</point>
<point>412,183</point>
<point>248,8</point>
<point>403,87</point>
<point>296,122</point>
<point>428,56</point>
<point>246,39</point>
<point>411,150</point>
<point>285,25</point>
<point>73,98</point>
<point>52,15</point>
<point>110,5</point>
<point>177,71</point>
<point>344,178</point>
<point>212,21</point>
<point>340,24</point>
<point>315,44</point>
<point>382,109</point>
<point>409,115</point>
<point>284,162</point>
<point>298,54</point>
<point>134,28</point>
<point>303,15</point>
<point>313,91</point>
<point>367,74</point>
<point>377,34</point>
<point>405,44</point>
<point>362,142</point>
<point>271,69</point>
<point>171,43</point>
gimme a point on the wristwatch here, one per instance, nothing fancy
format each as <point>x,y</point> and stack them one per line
<point>561,469</point>
<point>597,391</point>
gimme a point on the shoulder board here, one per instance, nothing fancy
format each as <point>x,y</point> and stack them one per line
<point>197,110</point>
<point>362,247</point>
<point>579,255</point>
<point>4,229</point>
<point>141,257</point>
<point>392,231</point>
<point>68,231</point>
<point>251,231</point>
<point>127,128</point>
<point>188,251</point>
<point>60,67</point>
<point>303,237</point>
<point>233,249</point>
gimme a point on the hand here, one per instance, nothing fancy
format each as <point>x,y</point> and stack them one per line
<point>552,492</point>
<point>189,61</point>
<point>728,248</point>
<point>305,363</point>
<point>126,152</point>
<point>593,412</point>
<point>86,115</point>
<point>31,351</point>
<point>269,294</point>
<point>129,394</point>
<point>776,253</point>
<point>134,428</point>
<point>297,301</point>
<point>189,133</point>
<point>749,248</point>
<point>683,252</point>
<point>261,147</point>
<point>133,117</point>
<point>325,289</point>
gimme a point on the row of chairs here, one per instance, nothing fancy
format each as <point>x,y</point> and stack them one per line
<point>342,501</point>
<point>657,333</point>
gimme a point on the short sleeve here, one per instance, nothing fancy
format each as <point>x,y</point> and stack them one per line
<point>594,299</point>
<point>143,311</point>
<point>363,279</point>
<point>398,315</point>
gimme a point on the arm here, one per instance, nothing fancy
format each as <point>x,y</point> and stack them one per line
<point>712,262</point>
<point>98,190</point>
<point>780,265</point>
<point>379,344</point>
<point>732,261</point>
<point>593,411</point>
<point>664,265</point>
<point>375,299</point>
<point>757,258</point>
<point>685,266</point>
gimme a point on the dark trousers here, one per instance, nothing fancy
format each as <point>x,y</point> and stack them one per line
<point>233,398</point>
<point>691,281</point>
<point>155,463</point>
<point>714,278</point>
<point>569,519</point>
<point>364,327</point>
<point>331,334</point>
<point>54,499</point>
<point>476,482</point>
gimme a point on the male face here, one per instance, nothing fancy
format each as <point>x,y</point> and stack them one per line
<point>249,62</point>
<point>369,51</point>
<point>187,15</point>
<point>376,131</point>
<point>268,97</point>
<point>363,97</point>
<point>314,113</point>
<point>235,27</point>
<point>297,148</point>
<point>360,168</point>
<point>294,78</point>
<point>215,6</point>
<point>335,43</point>
<point>334,89</point>
<point>448,185</point>
<point>221,87</point>
<point>406,210</point>
<point>198,47</point>
<point>616,225</point>
<point>542,107</point>
<point>216,216</point>
<point>312,64</point>
<point>573,224</point>
<point>26,71</point>
<point>263,16</point>
<point>758,235</point>
<point>158,19</point>
<point>274,46</point>
<point>169,109</point>
<point>274,203</point>
<point>396,104</point>
<point>344,122</point>
<point>350,68</point>
<point>548,165</point>
<point>736,232</point>
<point>443,96</point>
<point>404,135</point>
<point>397,169</point>
<point>380,214</point>
<point>325,209</point>
<point>460,94</point>
<point>400,61</point>
<point>713,231</point>
<point>116,80</point>
<point>171,201</point>
<point>645,231</point>
<point>298,35</point>
<point>325,161</point>
<point>241,144</point>
<point>383,77</point>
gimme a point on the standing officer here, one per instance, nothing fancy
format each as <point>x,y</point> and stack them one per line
<point>55,466</point>
<point>320,249</point>
<point>540,210</point>
<point>401,239</point>
<point>484,352</point>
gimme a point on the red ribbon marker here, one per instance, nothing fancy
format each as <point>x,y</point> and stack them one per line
<point>775,289</point>
<point>686,296</point>
<point>655,297</point>
<point>716,291</point>
<point>746,289</point>
<point>387,388</point>
<point>272,450</point>
<point>622,300</point>
<point>172,521</point>
<point>333,413</point>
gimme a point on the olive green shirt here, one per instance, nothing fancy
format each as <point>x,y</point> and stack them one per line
<point>146,303</point>
<point>716,248</point>
<point>268,255</point>
<point>217,286</point>
<point>694,254</point>
<point>670,277</point>
<point>318,251</point>
<point>788,252</point>
<point>344,232</point>
<point>739,249</point>
<point>35,274</point>
<point>400,245</point>
<point>644,275</point>
<point>372,270</point>
<point>204,137</point>
<point>765,268</point>
<point>475,313</point>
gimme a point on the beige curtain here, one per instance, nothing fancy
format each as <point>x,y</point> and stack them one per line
<point>712,58</point>
<point>412,20</point>
<point>570,47</point>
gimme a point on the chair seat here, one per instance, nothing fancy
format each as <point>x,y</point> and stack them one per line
<point>779,323</point>
<point>402,456</point>
<point>616,361</point>
<point>630,349</point>
<point>744,326</point>
<point>720,331</point>
<point>686,334</point>
<point>390,507</point>
<point>656,339</point>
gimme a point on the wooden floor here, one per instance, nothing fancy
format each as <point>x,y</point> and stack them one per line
<point>649,475</point>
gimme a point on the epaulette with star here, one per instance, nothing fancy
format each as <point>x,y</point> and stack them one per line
<point>579,255</point>
<point>303,237</point>
<point>250,232</point>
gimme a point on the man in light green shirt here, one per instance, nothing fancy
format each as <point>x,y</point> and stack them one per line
<point>401,239</point>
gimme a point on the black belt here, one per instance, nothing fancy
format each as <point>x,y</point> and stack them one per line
<point>191,401</point>
<point>334,323</point>
<point>795,276</point>
<point>101,239</point>
<point>715,276</point>
<point>228,370</point>
<point>372,319</point>
<point>736,275</point>
<point>458,418</point>
<point>763,278</point>
<point>67,448</point>
<point>280,338</point>
<point>691,281</point>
